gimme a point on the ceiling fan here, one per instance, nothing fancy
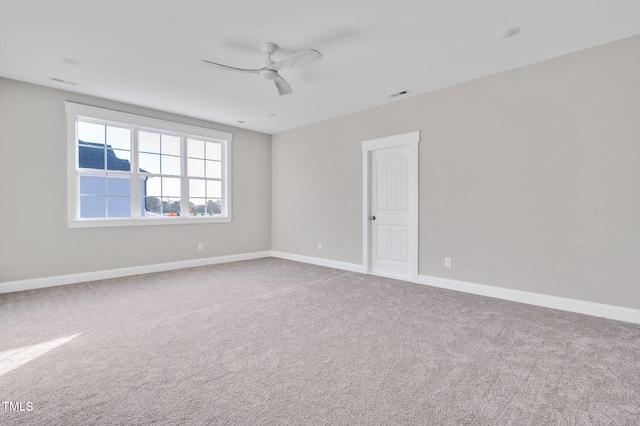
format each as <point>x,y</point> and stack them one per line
<point>271,68</point>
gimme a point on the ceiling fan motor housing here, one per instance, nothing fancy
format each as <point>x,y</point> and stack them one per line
<point>269,47</point>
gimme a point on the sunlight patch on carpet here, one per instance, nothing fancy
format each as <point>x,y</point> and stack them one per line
<point>14,358</point>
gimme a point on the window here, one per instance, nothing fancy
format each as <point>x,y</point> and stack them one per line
<point>131,170</point>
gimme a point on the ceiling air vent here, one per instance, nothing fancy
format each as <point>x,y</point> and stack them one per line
<point>401,93</point>
<point>59,80</point>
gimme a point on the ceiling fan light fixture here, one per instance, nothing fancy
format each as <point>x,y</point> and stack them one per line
<point>508,32</point>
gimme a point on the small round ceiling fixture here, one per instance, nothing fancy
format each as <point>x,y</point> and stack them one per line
<point>508,32</point>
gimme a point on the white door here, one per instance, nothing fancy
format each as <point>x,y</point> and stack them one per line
<point>392,209</point>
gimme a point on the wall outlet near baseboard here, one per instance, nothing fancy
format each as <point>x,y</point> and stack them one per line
<point>319,246</point>
<point>200,246</point>
<point>447,262</point>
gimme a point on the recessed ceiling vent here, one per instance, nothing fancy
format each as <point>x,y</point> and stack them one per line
<point>71,61</point>
<point>59,80</point>
<point>401,93</point>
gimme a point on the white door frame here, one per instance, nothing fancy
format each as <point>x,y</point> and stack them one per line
<point>411,139</point>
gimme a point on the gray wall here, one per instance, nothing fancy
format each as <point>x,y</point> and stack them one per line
<point>529,179</point>
<point>35,241</point>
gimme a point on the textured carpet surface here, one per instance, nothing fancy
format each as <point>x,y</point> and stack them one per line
<point>275,342</point>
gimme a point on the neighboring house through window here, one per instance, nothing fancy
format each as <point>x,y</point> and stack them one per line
<point>129,170</point>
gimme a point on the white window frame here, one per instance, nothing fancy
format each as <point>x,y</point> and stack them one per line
<point>81,112</point>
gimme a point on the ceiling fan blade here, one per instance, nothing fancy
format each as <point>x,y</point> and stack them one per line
<point>227,67</point>
<point>283,86</point>
<point>296,60</point>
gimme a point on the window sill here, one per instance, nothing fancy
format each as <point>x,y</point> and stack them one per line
<point>104,223</point>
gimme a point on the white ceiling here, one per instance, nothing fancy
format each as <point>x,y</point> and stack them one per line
<point>148,52</point>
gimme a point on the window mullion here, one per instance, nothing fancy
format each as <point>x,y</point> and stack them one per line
<point>136,202</point>
<point>184,179</point>
<point>225,177</point>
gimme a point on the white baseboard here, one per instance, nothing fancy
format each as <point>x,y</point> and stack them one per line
<point>30,284</point>
<point>572,305</point>
<point>561,303</point>
<point>351,267</point>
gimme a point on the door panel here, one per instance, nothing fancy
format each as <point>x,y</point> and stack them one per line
<point>391,238</point>
<point>392,243</point>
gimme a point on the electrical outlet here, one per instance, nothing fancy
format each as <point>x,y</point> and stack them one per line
<point>447,262</point>
<point>200,246</point>
<point>319,246</point>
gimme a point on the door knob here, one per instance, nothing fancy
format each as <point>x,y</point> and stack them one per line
<point>372,218</point>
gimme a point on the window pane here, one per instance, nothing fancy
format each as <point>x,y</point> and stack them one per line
<point>92,206</point>
<point>196,167</point>
<point>170,187</point>
<point>93,185</point>
<point>143,208</point>
<point>171,145</point>
<point>198,206</point>
<point>122,155</point>
<point>143,185</point>
<point>153,187</point>
<point>149,142</point>
<point>170,165</point>
<point>214,151</point>
<point>170,206</point>
<point>195,148</point>
<point>214,189</point>
<point>119,207</point>
<point>115,163</point>
<point>197,188</point>
<point>153,206</point>
<point>214,206</point>
<point>120,185</point>
<point>150,163</point>
<point>119,138</point>
<point>91,157</point>
<point>89,132</point>
<point>214,169</point>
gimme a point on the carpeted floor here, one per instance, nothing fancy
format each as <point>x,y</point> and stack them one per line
<point>276,342</point>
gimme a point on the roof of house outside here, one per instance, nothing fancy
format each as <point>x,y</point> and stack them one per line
<point>91,156</point>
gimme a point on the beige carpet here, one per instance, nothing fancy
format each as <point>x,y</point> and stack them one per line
<point>275,342</point>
